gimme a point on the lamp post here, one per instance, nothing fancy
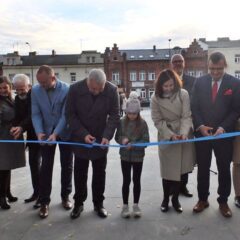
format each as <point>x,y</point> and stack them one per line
<point>30,52</point>
<point>169,48</point>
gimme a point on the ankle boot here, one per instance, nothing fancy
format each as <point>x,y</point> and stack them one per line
<point>4,204</point>
<point>164,205</point>
<point>11,198</point>
<point>176,205</point>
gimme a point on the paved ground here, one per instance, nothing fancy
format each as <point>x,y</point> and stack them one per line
<point>22,221</point>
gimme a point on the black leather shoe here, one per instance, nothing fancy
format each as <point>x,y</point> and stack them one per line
<point>44,210</point>
<point>37,204</point>
<point>184,191</point>
<point>4,204</point>
<point>11,198</point>
<point>101,211</point>
<point>76,211</point>
<point>237,201</point>
<point>66,204</point>
<point>164,205</point>
<point>177,206</point>
<point>31,199</point>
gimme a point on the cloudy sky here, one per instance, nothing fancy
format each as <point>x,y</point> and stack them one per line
<point>70,26</point>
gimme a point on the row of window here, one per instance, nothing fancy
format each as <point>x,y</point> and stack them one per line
<point>142,76</point>
<point>145,94</point>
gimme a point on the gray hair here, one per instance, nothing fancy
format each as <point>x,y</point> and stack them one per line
<point>177,55</point>
<point>21,78</point>
<point>97,75</point>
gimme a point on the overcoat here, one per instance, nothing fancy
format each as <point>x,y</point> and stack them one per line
<point>236,145</point>
<point>173,116</point>
<point>12,155</point>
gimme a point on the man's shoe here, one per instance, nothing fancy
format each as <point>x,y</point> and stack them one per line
<point>66,204</point>
<point>4,204</point>
<point>31,199</point>
<point>11,198</point>
<point>185,192</point>
<point>37,204</point>
<point>200,206</point>
<point>76,211</point>
<point>101,211</point>
<point>225,210</point>
<point>164,205</point>
<point>44,210</point>
<point>177,206</point>
<point>237,201</point>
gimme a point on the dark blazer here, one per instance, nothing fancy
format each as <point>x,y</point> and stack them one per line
<point>225,111</point>
<point>23,116</point>
<point>188,82</point>
<point>86,115</point>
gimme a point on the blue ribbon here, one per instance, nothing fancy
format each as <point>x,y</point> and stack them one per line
<point>209,138</point>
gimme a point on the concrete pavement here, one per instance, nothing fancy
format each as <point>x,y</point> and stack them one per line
<point>21,222</point>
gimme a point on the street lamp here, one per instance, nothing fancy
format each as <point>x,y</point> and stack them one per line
<point>30,52</point>
<point>169,48</point>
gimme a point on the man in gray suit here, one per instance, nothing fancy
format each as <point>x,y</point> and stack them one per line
<point>92,114</point>
<point>178,65</point>
<point>48,106</point>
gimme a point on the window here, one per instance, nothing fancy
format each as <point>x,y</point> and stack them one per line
<point>191,73</point>
<point>116,77</point>
<point>93,59</point>
<point>237,58</point>
<point>142,75</point>
<point>11,76</point>
<point>57,75</point>
<point>143,93</point>
<point>198,73</point>
<point>73,77</point>
<point>88,59</point>
<point>237,74</point>
<point>151,76</point>
<point>133,76</point>
<point>150,92</point>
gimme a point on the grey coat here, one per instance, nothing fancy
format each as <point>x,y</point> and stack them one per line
<point>86,115</point>
<point>173,116</point>
<point>12,155</point>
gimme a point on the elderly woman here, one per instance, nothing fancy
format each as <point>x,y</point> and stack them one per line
<point>12,155</point>
<point>171,114</point>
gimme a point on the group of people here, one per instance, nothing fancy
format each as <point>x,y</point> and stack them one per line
<point>88,112</point>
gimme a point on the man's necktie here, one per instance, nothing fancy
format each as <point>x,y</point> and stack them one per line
<point>214,90</point>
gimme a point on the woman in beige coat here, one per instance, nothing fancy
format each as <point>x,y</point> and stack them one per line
<point>171,114</point>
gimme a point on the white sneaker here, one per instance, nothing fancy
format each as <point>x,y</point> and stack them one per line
<point>136,211</point>
<point>125,211</point>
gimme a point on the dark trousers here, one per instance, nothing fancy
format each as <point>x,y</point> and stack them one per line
<point>66,159</point>
<point>170,187</point>
<point>126,172</point>
<point>34,156</point>
<point>222,149</point>
<point>98,180</point>
<point>4,182</point>
<point>184,179</point>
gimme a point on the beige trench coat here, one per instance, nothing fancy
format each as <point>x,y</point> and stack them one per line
<point>173,116</point>
<point>236,146</point>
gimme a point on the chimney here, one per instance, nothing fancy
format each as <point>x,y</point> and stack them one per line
<point>33,53</point>
<point>154,48</point>
<point>53,52</point>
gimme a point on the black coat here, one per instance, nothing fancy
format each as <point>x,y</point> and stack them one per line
<point>23,116</point>
<point>188,83</point>
<point>86,115</point>
<point>224,112</point>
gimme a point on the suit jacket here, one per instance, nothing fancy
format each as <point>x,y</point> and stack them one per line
<point>23,116</point>
<point>86,115</point>
<point>188,83</point>
<point>49,116</point>
<point>225,111</point>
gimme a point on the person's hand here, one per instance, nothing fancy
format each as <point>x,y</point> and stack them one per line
<point>104,141</point>
<point>41,137</point>
<point>205,130</point>
<point>16,132</point>
<point>219,131</point>
<point>52,138</point>
<point>125,141</point>
<point>183,137</point>
<point>175,137</point>
<point>89,139</point>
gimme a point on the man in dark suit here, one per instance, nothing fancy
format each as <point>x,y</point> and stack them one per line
<point>178,64</point>
<point>215,109</point>
<point>92,113</point>
<point>23,123</point>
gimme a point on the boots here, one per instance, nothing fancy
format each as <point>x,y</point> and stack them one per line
<point>175,202</point>
<point>4,204</point>
<point>11,198</point>
<point>166,193</point>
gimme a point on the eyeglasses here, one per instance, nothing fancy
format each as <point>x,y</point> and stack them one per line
<point>216,69</point>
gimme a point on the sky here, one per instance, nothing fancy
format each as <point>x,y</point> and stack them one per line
<point>72,26</point>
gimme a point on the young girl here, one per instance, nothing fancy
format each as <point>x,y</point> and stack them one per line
<point>132,129</point>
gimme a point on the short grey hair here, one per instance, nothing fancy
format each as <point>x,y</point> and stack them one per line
<point>177,55</point>
<point>97,75</point>
<point>21,78</point>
